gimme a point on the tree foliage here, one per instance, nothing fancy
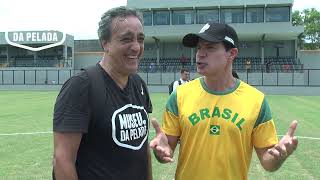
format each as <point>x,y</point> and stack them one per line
<point>310,19</point>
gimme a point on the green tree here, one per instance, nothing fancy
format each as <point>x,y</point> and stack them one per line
<point>297,18</point>
<point>310,18</point>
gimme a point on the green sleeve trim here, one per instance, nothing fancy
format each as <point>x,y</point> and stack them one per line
<point>172,103</point>
<point>265,113</point>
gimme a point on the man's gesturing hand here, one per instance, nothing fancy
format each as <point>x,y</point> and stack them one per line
<point>160,145</point>
<point>286,145</point>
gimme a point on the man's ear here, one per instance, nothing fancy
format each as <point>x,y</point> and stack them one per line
<point>105,46</point>
<point>233,53</point>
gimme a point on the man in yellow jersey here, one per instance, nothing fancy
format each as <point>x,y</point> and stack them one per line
<point>221,120</point>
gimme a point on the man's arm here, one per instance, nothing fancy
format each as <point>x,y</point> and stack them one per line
<point>269,163</point>
<point>71,119</point>
<point>149,165</point>
<point>175,85</point>
<point>66,146</point>
<point>163,145</point>
<point>271,158</point>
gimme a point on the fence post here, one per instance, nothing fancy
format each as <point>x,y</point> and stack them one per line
<point>247,77</point>
<point>293,77</point>
<point>262,77</point>
<point>13,77</point>
<point>35,77</point>
<point>277,78</point>
<point>161,74</point>
<point>58,76</point>
<point>308,77</point>
<point>147,77</point>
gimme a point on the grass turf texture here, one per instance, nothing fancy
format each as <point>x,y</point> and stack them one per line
<point>28,157</point>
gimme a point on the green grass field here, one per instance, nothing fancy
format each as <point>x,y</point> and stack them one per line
<point>28,157</point>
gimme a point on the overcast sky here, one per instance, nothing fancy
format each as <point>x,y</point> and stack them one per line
<point>63,15</point>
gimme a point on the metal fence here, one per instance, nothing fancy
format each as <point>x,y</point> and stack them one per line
<point>298,77</point>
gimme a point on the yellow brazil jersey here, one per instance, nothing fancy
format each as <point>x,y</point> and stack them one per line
<point>217,130</point>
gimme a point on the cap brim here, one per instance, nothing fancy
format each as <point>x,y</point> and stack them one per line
<point>191,40</point>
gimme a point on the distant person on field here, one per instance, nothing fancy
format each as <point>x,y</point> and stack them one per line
<point>268,66</point>
<point>248,65</point>
<point>184,78</point>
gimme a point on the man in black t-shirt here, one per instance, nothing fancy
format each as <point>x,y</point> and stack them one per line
<point>101,121</point>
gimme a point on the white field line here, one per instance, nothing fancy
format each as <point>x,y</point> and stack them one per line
<point>26,133</point>
<point>50,132</point>
<point>304,137</point>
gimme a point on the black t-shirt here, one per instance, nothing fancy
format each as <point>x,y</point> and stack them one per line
<point>114,147</point>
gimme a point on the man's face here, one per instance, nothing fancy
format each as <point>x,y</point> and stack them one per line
<point>212,58</point>
<point>126,45</point>
<point>185,75</point>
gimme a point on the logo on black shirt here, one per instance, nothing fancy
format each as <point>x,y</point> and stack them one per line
<point>130,126</point>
